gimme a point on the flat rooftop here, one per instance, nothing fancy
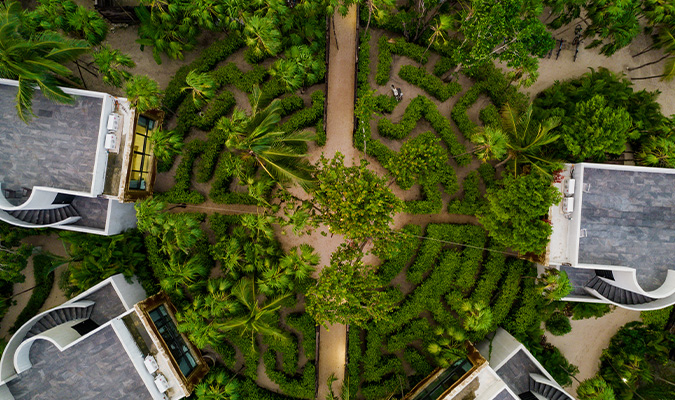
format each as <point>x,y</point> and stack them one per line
<point>56,149</point>
<point>504,395</point>
<point>96,368</point>
<point>629,217</point>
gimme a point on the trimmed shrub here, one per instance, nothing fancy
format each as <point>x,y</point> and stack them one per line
<point>406,250</point>
<point>431,84</point>
<point>473,199</point>
<point>400,47</point>
<point>44,280</point>
<point>421,107</point>
<point>443,65</point>
<point>217,52</point>
<point>558,324</point>
<point>588,310</point>
<point>223,177</point>
<point>304,323</point>
<point>308,116</point>
<point>657,319</point>
<point>489,116</point>
<point>181,192</point>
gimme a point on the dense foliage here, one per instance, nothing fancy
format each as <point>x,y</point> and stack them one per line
<point>516,212</point>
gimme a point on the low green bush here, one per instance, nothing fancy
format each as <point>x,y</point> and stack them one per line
<point>384,60</point>
<point>509,291</point>
<point>431,84</point>
<point>308,116</point>
<point>355,355</point>
<point>473,198</point>
<point>44,280</point>
<point>421,107</point>
<point>363,65</point>
<point>223,177</point>
<point>489,116</point>
<point>587,310</point>
<point>217,52</point>
<point>220,224</point>
<point>291,104</point>
<point>558,324</point>
<point>443,65</point>
<point>230,74</point>
<point>320,133</point>
<point>218,107</point>
<point>657,319</point>
<point>487,174</point>
<point>400,47</point>
<point>492,271</point>
<point>180,192</point>
<point>408,244</point>
<point>304,323</point>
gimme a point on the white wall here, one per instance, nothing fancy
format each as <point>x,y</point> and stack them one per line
<point>121,216</point>
<point>129,293</point>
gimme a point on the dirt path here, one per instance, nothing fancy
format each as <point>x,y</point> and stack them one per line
<point>49,243</point>
<point>589,337</point>
<point>339,131</point>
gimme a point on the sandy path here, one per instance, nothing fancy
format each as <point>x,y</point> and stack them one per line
<point>589,337</point>
<point>49,243</point>
<point>339,131</point>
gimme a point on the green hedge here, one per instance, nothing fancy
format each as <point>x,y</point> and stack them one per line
<point>558,324</point>
<point>443,65</point>
<point>304,323</point>
<point>363,65</point>
<point>473,198</point>
<point>400,47</point>
<point>217,52</point>
<point>230,74</point>
<point>421,107</point>
<point>308,116</point>
<point>431,84</point>
<point>407,247</point>
<point>44,280</point>
<point>181,192</point>
<point>223,177</point>
<point>299,384</point>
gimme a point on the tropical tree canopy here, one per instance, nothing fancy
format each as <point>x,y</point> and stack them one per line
<point>36,62</point>
<point>143,92</point>
<point>515,212</point>
<point>258,138</point>
<point>554,284</point>
<point>348,292</point>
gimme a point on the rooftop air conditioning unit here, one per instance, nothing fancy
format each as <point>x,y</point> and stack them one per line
<point>568,205</point>
<point>113,123</point>
<point>151,364</point>
<point>568,187</point>
<point>161,383</point>
<point>110,141</point>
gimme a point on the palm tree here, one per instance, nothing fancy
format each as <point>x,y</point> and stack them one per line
<point>207,12</point>
<point>166,144</point>
<point>443,23</point>
<point>262,37</point>
<point>553,284</point>
<point>202,85</point>
<point>449,346</point>
<point>295,266</point>
<point>200,327</point>
<point>258,138</point>
<point>143,92</point>
<point>183,272</point>
<point>110,63</point>
<point>175,231</point>
<point>595,389</point>
<point>526,139</point>
<point>258,319</point>
<point>34,62</point>
<point>657,151</point>
<point>217,386</point>
<point>490,144</point>
<point>88,24</point>
<point>288,73</point>
<point>477,316</point>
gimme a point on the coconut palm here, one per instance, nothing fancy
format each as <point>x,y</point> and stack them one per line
<point>143,92</point>
<point>183,272</point>
<point>257,318</point>
<point>490,144</point>
<point>217,386</point>
<point>439,30</point>
<point>111,64</point>
<point>34,62</point>
<point>200,327</point>
<point>477,316</point>
<point>449,346</point>
<point>175,231</point>
<point>526,139</point>
<point>201,85</point>
<point>258,138</point>
<point>295,266</point>
<point>166,144</point>
<point>262,37</point>
<point>595,389</point>
<point>553,284</point>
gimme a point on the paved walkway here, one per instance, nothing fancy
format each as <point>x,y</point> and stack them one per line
<point>339,131</point>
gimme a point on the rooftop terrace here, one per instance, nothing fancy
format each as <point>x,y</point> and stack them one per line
<point>56,149</point>
<point>516,372</point>
<point>629,217</point>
